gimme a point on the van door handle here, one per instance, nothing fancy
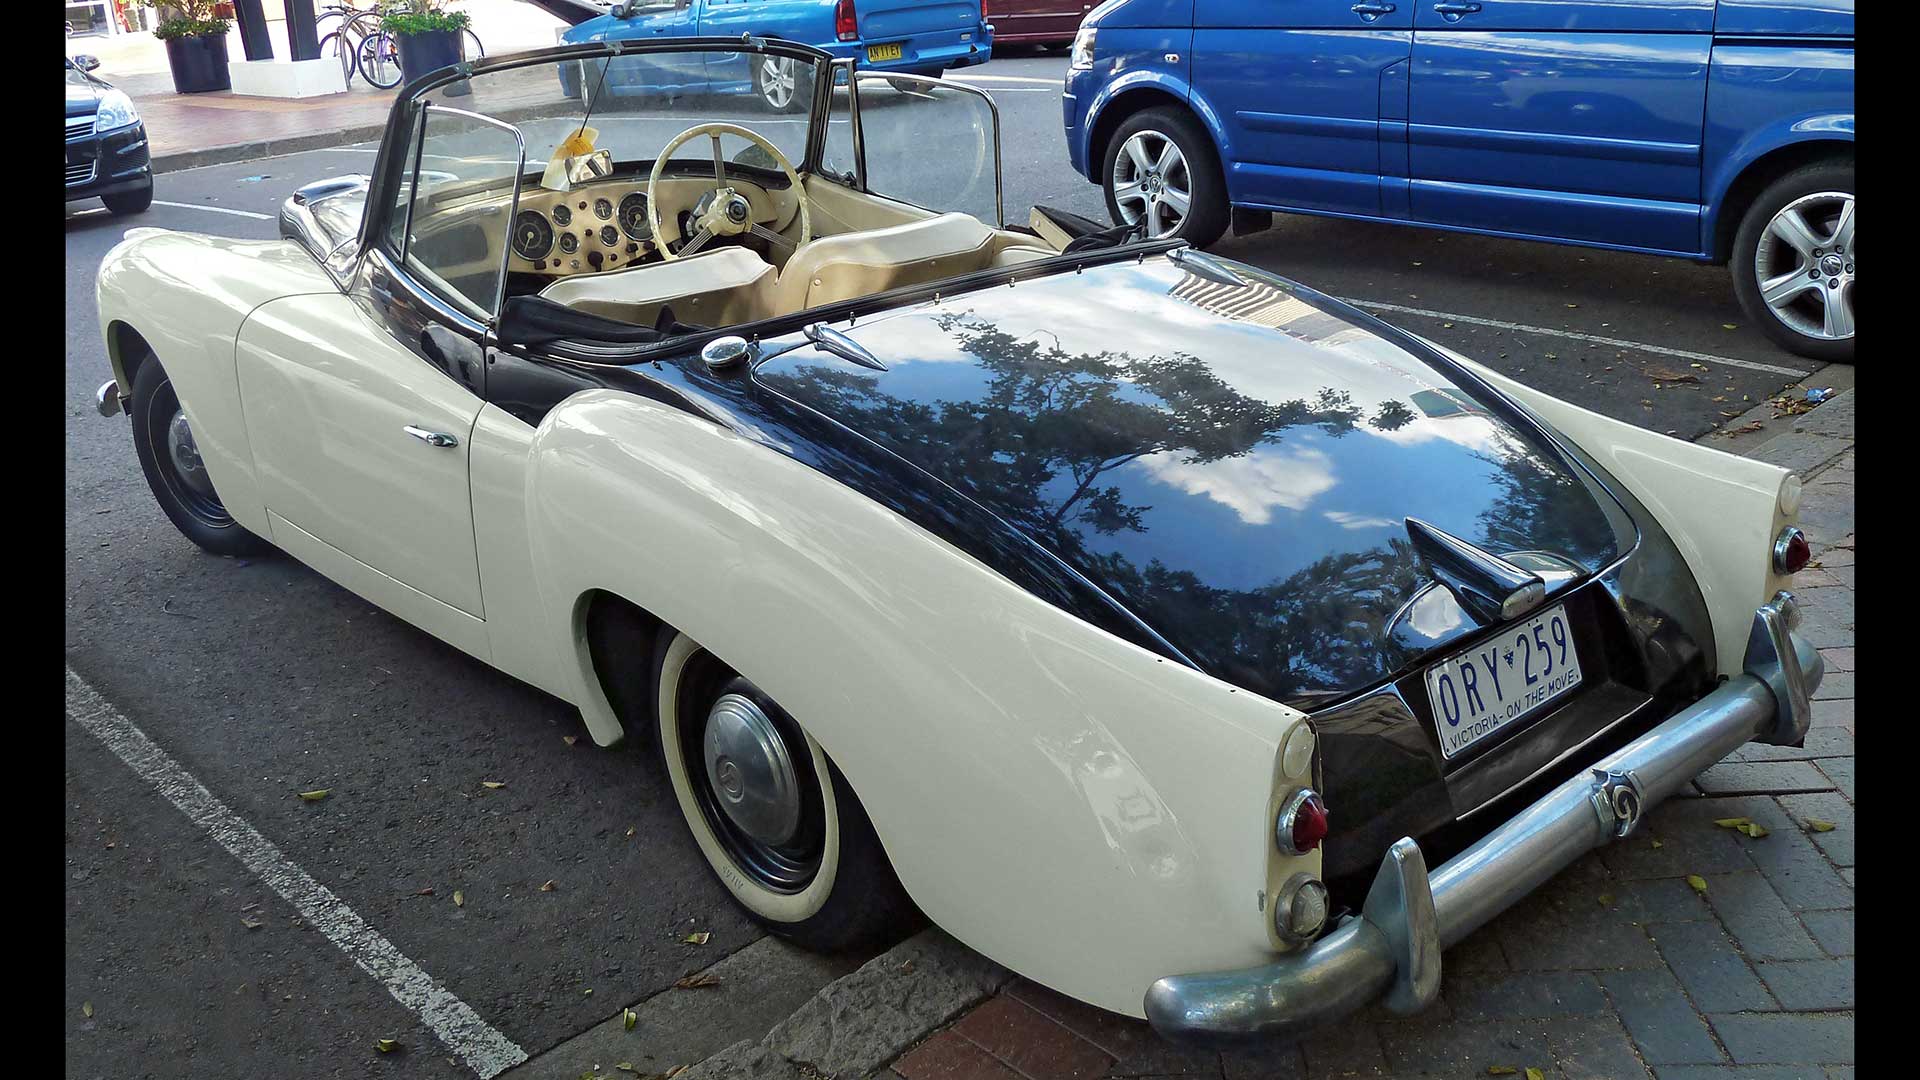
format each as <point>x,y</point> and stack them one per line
<point>1371,11</point>
<point>1452,12</point>
<point>432,438</point>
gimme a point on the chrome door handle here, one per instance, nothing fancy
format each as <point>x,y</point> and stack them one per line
<point>432,438</point>
<point>1452,11</point>
<point>1370,11</point>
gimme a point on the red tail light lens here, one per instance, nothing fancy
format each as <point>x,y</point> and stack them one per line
<point>1791,552</point>
<point>1302,824</point>
<point>844,25</point>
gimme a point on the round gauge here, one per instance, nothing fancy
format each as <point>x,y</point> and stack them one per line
<point>562,216</point>
<point>603,209</point>
<point>609,235</point>
<point>633,216</point>
<point>569,243</point>
<point>532,235</point>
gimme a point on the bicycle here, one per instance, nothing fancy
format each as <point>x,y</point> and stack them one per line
<point>378,56</point>
<point>347,41</point>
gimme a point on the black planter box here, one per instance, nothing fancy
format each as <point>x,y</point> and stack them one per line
<point>199,63</point>
<point>431,51</point>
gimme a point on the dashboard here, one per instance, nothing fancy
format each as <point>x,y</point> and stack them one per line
<point>604,226</point>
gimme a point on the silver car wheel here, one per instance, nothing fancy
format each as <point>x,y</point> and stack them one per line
<point>1804,265</point>
<point>1151,182</point>
<point>777,81</point>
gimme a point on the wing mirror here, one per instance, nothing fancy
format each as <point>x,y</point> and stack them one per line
<point>86,61</point>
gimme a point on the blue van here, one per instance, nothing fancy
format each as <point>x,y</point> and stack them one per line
<point>1717,131</point>
<point>917,37</point>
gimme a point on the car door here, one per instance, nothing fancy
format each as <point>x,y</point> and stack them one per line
<point>360,405</point>
<point>1297,89</point>
<point>648,73</point>
<point>1568,119</point>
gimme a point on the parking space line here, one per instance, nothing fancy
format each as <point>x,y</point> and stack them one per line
<point>213,209</point>
<point>1751,365</point>
<point>484,1049</point>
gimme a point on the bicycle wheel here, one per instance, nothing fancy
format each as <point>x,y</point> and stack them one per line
<point>380,60</point>
<point>470,47</point>
<point>336,45</point>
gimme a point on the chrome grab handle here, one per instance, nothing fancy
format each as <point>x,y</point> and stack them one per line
<point>432,438</point>
<point>1451,11</point>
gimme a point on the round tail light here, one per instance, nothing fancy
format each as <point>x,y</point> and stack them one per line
<point>1302,823</point>
<point>1791,552</point>
<point>1301,909</point>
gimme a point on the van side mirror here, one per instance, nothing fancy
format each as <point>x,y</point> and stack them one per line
<point>86,61</point>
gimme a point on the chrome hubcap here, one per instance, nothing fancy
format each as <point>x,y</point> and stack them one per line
<point>1151,182</point>
<point>1804,264</point>
<point>186,456</point>
<point>776,80</point>
<point>750,771</point>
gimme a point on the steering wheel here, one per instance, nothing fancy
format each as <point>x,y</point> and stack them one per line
<point>728,212</point>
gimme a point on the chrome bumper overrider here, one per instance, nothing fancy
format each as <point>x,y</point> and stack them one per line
<point>1391,950</point>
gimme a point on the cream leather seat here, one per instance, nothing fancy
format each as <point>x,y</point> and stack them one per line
<point>847,265</point>
<point>721,287</point>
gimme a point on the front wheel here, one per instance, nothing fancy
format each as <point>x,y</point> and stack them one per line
<point>1159,170</point>
<point>129,202</point>
<point>1792,262</point>
<point>170,456</point>
<point>775,819</point>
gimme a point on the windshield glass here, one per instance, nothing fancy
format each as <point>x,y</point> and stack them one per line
<point>633,105</point>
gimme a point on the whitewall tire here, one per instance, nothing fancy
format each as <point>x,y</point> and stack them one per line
<point>771,814</point>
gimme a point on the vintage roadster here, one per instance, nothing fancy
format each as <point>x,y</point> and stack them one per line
<point>1149,622</point>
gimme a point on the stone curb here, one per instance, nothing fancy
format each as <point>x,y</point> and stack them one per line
<point>248,151</point>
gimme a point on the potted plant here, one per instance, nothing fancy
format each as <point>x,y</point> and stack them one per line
<point>429,37</point>
<point>196,38</point>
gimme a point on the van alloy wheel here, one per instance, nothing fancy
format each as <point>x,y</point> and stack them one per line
<point>1804,264</point>
<point>1151,182</point>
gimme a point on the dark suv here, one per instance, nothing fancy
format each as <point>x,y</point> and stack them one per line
<point>106,143</point>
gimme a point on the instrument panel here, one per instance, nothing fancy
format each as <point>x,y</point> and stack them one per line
<point>604,226</point>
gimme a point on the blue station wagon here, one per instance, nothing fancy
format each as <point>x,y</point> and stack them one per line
<point>915,37</point>
<point>1717,131</point>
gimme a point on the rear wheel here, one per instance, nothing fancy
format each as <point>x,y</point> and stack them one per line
<point>379,60</point>
<point>1159,170</point>
<point>775,819</point>
<point>170,456</point>
<point>1792,262</point>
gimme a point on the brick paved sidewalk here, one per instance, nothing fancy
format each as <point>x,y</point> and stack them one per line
<point>1616,968</point>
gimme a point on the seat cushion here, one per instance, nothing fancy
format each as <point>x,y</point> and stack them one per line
<point>847,265</point>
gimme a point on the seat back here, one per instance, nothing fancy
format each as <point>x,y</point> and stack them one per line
<point>847,265</point>
<point>714,288</point>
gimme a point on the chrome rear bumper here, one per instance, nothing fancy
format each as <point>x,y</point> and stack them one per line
<point>1391,950</point>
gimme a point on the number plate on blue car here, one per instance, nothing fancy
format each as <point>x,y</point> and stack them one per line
<point>1477,692</point>
<point>879,53</point>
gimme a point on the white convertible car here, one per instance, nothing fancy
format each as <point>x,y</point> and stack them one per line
<point>1176,635</point>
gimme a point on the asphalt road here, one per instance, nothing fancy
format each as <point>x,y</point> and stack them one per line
<point>263,680</point>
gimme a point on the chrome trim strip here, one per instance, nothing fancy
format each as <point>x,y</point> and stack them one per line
<point>1393,947</point>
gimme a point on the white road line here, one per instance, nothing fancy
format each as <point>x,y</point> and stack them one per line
<point>1060,82</point>
<point>1752,365</point>
<point>485,1050</point>
<point>213,209</point>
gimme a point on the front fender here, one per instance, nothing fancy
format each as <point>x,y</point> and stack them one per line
<point>1141,61</point>
<point>1065,802</point>
<point>186,296</point>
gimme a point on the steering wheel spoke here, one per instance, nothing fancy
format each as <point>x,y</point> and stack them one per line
<point>699,240</point>
<point>771,237</point>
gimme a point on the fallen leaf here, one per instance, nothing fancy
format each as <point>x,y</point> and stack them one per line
<point>386,1046</point>
<point>86,1009</point>
<point>459,898</point>
<point>1731,822</point>
<point>628,1018</point>
<point>588,993</point>
<point>1820,826</point>
<point>699,938</point>
<point>1753,829</point>
<point>548,886</point>
<point>1698,883</point>
<point>316,795</point>
<point>1535,1074</point>
<point>495,784</point>
<point>626,1066</point>
<point>1573,305</point>
<point>1502,1070</point>
<point>569,739</point>
<point>1606,899</point>
<point>698,980</point>
<point>630,831</point>
<point>1660,374</point>
<point>676,1071</point>
<point>428,891</point>
<point>1729,326</point>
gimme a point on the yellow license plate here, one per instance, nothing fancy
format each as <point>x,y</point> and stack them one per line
<point>877,53</point>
